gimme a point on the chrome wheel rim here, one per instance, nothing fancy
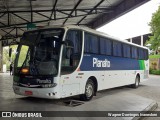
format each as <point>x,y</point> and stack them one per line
<point>137,81</point>
<point>89,90</point>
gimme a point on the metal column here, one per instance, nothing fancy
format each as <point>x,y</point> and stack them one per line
<point>1,57</point>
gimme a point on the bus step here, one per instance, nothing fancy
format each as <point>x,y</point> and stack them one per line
<point>73,103</point>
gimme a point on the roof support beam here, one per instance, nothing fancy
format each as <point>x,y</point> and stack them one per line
<point>3,24</point>
<point>8,19</point>
<point>43,15</point>
<point>20,17</point>
<point>63,12</point>
<point>2,15</point>
<point>72,11</point>
<point>9,37</point>
<point>53,10</point>
<point>16,31</point>
<point>21,29</point>
<point>50,10</point>
<point>91,11</point>
<point>8,33</point>
<point>31,11</point>
<point>84,11</point>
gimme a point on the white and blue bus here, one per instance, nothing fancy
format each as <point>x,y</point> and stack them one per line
<point>65,61</point>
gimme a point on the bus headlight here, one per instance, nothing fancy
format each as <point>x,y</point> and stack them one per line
<point>48,85</point>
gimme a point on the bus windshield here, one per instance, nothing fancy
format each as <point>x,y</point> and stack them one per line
<point>38,52</point>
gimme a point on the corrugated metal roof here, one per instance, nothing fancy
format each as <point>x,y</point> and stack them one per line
<point>16,14</point>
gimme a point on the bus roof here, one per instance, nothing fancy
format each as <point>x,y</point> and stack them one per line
<point>84,28</point>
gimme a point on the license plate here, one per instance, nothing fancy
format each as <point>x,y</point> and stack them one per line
<point>28,92</point>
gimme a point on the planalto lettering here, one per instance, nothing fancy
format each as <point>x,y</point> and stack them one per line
<point>43,81</point>
<point>101,63</point>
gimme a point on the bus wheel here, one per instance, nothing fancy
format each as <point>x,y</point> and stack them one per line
<point>137,81</point>
<point>89,91</point>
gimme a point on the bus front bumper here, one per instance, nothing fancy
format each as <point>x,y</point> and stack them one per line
<point>49,93</point>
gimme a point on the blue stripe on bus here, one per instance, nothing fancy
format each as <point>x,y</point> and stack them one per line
<point>116,63</point>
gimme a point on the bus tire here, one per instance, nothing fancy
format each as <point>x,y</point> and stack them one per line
<point>89,91</point>
<point>137,81</point>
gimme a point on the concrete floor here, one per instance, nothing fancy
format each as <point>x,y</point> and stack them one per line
<point>118,99</point>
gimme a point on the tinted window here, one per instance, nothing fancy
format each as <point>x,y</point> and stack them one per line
<point>141,54</point>
<point>146,54</point>
<point>126,50</point>
<point>117,49</point>
<point>91,43</point>
<point>105,46</point>
<point>74,36</point>
<point>134,53</point>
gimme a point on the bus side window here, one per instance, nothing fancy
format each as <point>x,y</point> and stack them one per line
<point>105,46</point>
<point>91,44</point>
<point>145,54</point>
<point>72,51</point>
<point>117,49</point>
<point>134,52</point>
<point>141,54</point>
<point>126,51</point>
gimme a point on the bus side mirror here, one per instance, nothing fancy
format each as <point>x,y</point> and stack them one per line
<point>10,52</point>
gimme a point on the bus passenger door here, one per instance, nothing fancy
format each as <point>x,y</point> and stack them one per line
<point>70,60</point>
